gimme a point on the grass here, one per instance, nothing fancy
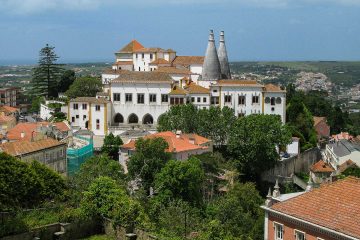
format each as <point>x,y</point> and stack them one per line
<point>99,237</point>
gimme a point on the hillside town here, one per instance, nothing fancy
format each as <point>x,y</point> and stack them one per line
<point>163,126</point>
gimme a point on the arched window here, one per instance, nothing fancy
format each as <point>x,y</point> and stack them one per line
<point>278,100</point>
<point>133,118</point>
<point>272,101</point>
<point>267,100</point>
<point>118,118</point>
<point>148,119</point>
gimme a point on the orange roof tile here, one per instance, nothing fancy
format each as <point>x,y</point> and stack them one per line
<point>188,60</point>
<point>178,91</point>
<point>8,109</point>
<point>28,128</point>
<point>173,70</point>
<point>5,119</point>
<point>321,167</point>
<point>194,88</point>
<point>123,63</point>
<point>273,88</point>
<point>317,120</point>
<point>131,47</point>
<point>160,61</point>
<point>153,50</point>
<point>335,206</point>
<point>25,147</point>
<point>176,144</point>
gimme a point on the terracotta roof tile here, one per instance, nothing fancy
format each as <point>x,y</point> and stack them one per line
<point>5,119</point>
<point>180,144</point>
<point>153,50</point>
<point>113,71</point>
<point>28,128</point>
<point>24,147</point>
<point>90,99</point>
<point>321,167</point>
<point>131,47</point>
<point>335,206</point>
<point>8,109</point>
<point>273,88</point>
<point>178,91</point>
<point>120,63</point>
<point>188,60</point>
<point>317,120</point>
<point>194,88</point>
<point>142,77</point>
<point>160,61</point>
<point>173,70</point>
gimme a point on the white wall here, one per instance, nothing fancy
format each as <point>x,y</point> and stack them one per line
<point>278,109</point>
<point>106,78</point>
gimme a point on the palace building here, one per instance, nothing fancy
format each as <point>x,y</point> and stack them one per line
<point>144,82</point>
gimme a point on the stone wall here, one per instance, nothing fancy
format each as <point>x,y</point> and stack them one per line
<point>287,167</point>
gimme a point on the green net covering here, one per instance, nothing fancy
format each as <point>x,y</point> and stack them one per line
<point>75,157</point>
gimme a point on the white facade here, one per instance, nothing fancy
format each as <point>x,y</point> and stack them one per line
<point>46,111</point>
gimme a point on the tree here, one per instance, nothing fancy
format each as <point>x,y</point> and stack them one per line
<point>149,158</point>
<point>84,87</point>
<point>35,104</point>
<point>238,214</point>
<point>47,74</point>
<point>93,168</point>
<point>180,180</point>
<point>111,146</point>
<point>253,141</point>
<point>67,78</point>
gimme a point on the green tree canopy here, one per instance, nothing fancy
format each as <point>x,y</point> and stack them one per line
<point>180,180</point>
<point>149,158</point>
<point>84,87</point>
<point>66,79</point>
<point>111,146</point>
<point>253,143</point>
<point>46,75</point>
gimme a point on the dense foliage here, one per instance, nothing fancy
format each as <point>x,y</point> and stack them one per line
<point>111,146</point>
<point>67,78</point>
<point>84,87</point>
<point>27,185</point>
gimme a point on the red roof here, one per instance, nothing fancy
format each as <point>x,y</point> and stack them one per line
<point>181,144</point>
<point>29,128</point>
<point>8,109</point>
<point>5,119</point>
<point>321,167</point>
<point>335,206</point>
<point>131,47</point>
<point>24,147</point>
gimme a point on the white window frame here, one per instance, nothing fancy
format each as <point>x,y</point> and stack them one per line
<point>296,232</point>
<point>276,225</point>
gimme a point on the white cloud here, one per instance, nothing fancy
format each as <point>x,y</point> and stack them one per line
<point>35,6</point>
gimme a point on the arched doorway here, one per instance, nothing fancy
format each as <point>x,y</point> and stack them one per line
<point>133,118</point>
<point>148,119</point>
<point>118,118</point>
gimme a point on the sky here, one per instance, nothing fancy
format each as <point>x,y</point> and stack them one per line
<point>255,30</point>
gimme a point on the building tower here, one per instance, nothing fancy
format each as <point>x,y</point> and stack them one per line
<point>223,58</point>
<point>211,68</point>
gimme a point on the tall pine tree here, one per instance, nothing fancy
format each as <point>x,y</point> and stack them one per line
<point>46,75</point>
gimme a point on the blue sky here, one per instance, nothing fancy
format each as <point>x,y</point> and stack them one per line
<point>92,30</point>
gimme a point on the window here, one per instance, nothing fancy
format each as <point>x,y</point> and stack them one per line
<point>215,90</point>
<point>137,56</point>
<point>77,116</point>
<point>139,69</point>
<point>152,98</point>
<point>279,231</point>
<point>97,124</point>
<point>76,106</point>
<point>164,98</point>
<point>241,115</point>
<point>267,100</point>
<point>299,235</point>
<point>255,99</point>
<point>47,156</point>
<point>272,101</point>
<point>73,119</point>
<point>140,98</point>
<point>214,100</point>
<point>97,107</point>
<point>192,99</point>
<point>151,56</point>
<point>143,55</point>
<point>128,97</point>
<point>241,100</point>
<point>116,97</point>
<point>278,100</point>
<point>84,106</point>
<point>199,99</point>
<point>84,117</point>
<point>61,152</point>
<point>204,100</point>
<point>227,99</point>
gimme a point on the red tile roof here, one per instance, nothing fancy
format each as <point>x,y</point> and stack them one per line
<point>188,60</point>
<point>335,206</point>
<point>123,63</point>
<point>273,88</point>
<point>181,144</point>
<point>28,128</point>
<point>196,89</point>
<point>321,167</point>
<point>131,47</point>
<point>24,147</point>
<point>173,70</point>
<point>317,120</point>
<point>5,119</point>
<point>160,61</point>
<point>8,109</point>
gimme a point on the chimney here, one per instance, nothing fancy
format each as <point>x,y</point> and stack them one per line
<point>309,186</point>
<point>211,70</point>
<point>268,201</point>
<point>22,134</point>
<point>276,192</point>
<point>223,58</point>
<point>178,134</point>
